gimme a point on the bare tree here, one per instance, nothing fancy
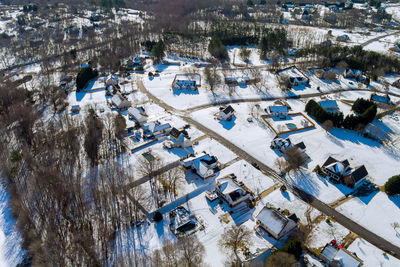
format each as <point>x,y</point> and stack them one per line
<point>281,164</point>
<point>211,76</point>
<point>295,158</point>
<point>192,251</point>
<point>234,240</point>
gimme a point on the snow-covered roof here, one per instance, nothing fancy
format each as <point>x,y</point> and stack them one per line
<point>359,173</point>
<point>338,168</point>
<point>117,100</point>
<point>342,256</point>
<point>136,114</point>
<point>328,104</point>
<point>227,186</point>
<point>346,259</point>
<point>228,110</point>
<point>328,253</point>
<point>381,99</point>
<point>274,220</point>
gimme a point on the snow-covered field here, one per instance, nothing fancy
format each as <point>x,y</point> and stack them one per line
<point>371,255</point>
<point>376,212</point>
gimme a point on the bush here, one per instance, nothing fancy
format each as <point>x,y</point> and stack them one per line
<point>280,259</point>
<point>293,247</point>
<point>84,76</point>
<point>15,156</point>
<point>157,216</point>
<point>392,186</point>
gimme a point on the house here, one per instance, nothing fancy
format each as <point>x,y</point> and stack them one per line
<point>374,131</point>
<point>230,81</point>
<point>336,169</point>
<point>329,105</point>
<point>341,172</point>
<point>226,113</point>
<point>180,138</point>
<point>274,222</point>
<point>354,74</point>
<point>182,221</point>
<point>396,83</point>
<point>279,111</point>
<point>111,81</point>
<point>298,81</point>
<point>153,129</point>
<point>185,85</point>
<point>75,108</point>
<point>281,144</point>
<point>301,146</point>
<point>244,81</point>
<point>205,166</point>
<point>120,102</point>
<point>343,38</point>
<point>137,61</point>
<point>357,176</point>
<point>232,191</point>
<point>137,114</point>
<point>339,257</point>
<point>380,99</point>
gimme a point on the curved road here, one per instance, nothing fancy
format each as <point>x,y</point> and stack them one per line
<point>311,200</point>
<point>378,38</point>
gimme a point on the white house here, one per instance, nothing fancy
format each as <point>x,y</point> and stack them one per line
<point>279,111</point>
<point>153,129</point>
<point>274,222</point>
<point>226,113</point>
<point>341,172</point>
<point>281,144</point>
<point>111,81</point>
<point>119,102</point>
<point>340,257</point>
<point>137,114</point>
<point>205,166</point>
<point>180,138</point>
<point>232,192</point>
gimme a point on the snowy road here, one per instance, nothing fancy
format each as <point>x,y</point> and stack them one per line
<point>311,200</point>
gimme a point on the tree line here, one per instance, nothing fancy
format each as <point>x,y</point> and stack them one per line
<point>355,57</point>
<point>366,112</point>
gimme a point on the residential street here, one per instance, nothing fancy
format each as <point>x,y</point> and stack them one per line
<point>322,207</point>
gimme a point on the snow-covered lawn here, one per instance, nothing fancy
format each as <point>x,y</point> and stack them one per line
<point>377,213</point>
<point>323,233</point>
<point>371,255</point>
<point>286,200</point>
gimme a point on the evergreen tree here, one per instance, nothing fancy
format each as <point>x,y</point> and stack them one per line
<point>392,186</point>
<point>217,49</point>
<point>158,51</point>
